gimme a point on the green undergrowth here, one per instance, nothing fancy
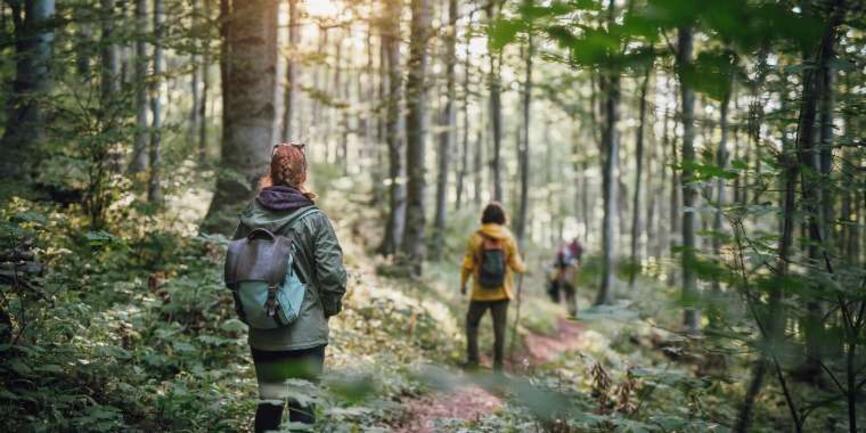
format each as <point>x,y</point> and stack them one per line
<point>129,328</point>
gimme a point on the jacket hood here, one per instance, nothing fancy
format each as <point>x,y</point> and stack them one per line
<point>258,216</point>
<point>495,231</point>
<point>282,198</point>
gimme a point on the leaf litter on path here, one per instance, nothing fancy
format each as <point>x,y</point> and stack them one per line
<point>469,401</point>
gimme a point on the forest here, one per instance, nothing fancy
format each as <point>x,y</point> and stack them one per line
<point>709,157</point>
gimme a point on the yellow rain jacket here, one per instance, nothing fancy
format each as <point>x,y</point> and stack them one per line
<point>471,264</point>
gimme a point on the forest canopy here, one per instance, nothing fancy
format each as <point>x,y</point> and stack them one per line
<point>707,156</point>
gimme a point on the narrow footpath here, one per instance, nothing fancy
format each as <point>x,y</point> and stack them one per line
<point>472,402</point>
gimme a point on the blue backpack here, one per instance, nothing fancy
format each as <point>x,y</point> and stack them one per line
<point>260,271</point>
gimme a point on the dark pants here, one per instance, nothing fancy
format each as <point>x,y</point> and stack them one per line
<point>273,368</point>
<point>570,298</point>
<point>499,311</point>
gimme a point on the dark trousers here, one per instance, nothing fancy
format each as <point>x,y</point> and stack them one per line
<point>275,367</point>
<point>499,311</point>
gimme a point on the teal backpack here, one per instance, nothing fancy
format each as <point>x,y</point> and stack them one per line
<point>260,271</point>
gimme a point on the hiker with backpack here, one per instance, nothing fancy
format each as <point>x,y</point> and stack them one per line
<point>491,258</point>
<point>285,270</point>
<point>563,279</point>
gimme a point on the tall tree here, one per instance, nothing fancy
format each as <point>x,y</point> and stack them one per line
<point>815,98</point>
<point>393,129</point>
<point>110,59</point>
<point>194,79</point>
<point>722,163</point>
<point>690,284</point>
<point>413,237</point>
<point>248,68</point>
<point>139,147</point>
<point>610,86</point>
<point>154,189</point>
<point>523,143</point>
<point>289,98</point>
<point>464,152</point>
<point>494,83</point>
<point>25,118</point>
<point>448,133</point>
<point>638,173</point>
<point>205,84</point>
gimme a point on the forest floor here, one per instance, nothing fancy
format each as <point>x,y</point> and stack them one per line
<point>141,314</point>
<point>471,402</point>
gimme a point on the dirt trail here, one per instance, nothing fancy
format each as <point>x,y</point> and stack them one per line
<point>471,402</point>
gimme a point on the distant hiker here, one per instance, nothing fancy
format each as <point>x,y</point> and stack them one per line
<point>491,257</point>
<point>285,268</point>
<point>564,277</point>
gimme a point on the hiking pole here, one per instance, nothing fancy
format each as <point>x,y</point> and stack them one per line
<point>516,319</point>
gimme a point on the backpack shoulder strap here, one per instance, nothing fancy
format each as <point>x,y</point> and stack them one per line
<point>307,275</point>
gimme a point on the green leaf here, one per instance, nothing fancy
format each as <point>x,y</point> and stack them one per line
<point>504,31</point>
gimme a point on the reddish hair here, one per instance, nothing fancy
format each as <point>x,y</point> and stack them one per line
<point>288,168</point>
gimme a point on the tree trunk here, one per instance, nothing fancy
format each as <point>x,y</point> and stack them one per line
<point>464,153</point>
<point>654,191</point>
<point>413,238</point>
<point>610,86</point>
<point>205,88</point>
<point>289,91</point>
<point>721,198</point>
<point>495,85</point>
<point>139,160</point>
<point>394,130</point>
<point>610,143</point>
<point>110,63</point>
<point>638,180</point>
<point>446,137</point>
<point>110,85</point>
<point>25,120</point>
<point>810,158</point>
<point>194,79</point>
<point>154,189</point>
<point>249,65</point>
<point>523,146</point>
<point>691,318</point>
<point>664,237</point>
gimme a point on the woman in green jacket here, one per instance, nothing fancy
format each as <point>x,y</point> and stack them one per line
<point>296,351</point>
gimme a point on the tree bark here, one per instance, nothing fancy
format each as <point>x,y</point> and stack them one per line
<point>721,196</point>
<point>523,147</point>
<point>814,94</point>
<point>478,160</point>
<point>610,86</point>
<point>249,65</point>
<point>205,87</point>
<point>413,237</point>
<point>464,154</point>
<point>194,80</point>
<point>154,189</point>
<point>638,180</point>
<point>495,88</point>
<point>691,317</point>
<point>25,117</point>
<point>110,64</point>
<point>289,91</point>
<point>446,137</point>
<point>394,130</point>
<point>140,160</point>
<point>610,143</point>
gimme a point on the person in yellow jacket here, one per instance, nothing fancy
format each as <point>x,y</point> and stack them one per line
<point>491,259</point>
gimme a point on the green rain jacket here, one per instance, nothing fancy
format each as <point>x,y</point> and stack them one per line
<point>320,264</point>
